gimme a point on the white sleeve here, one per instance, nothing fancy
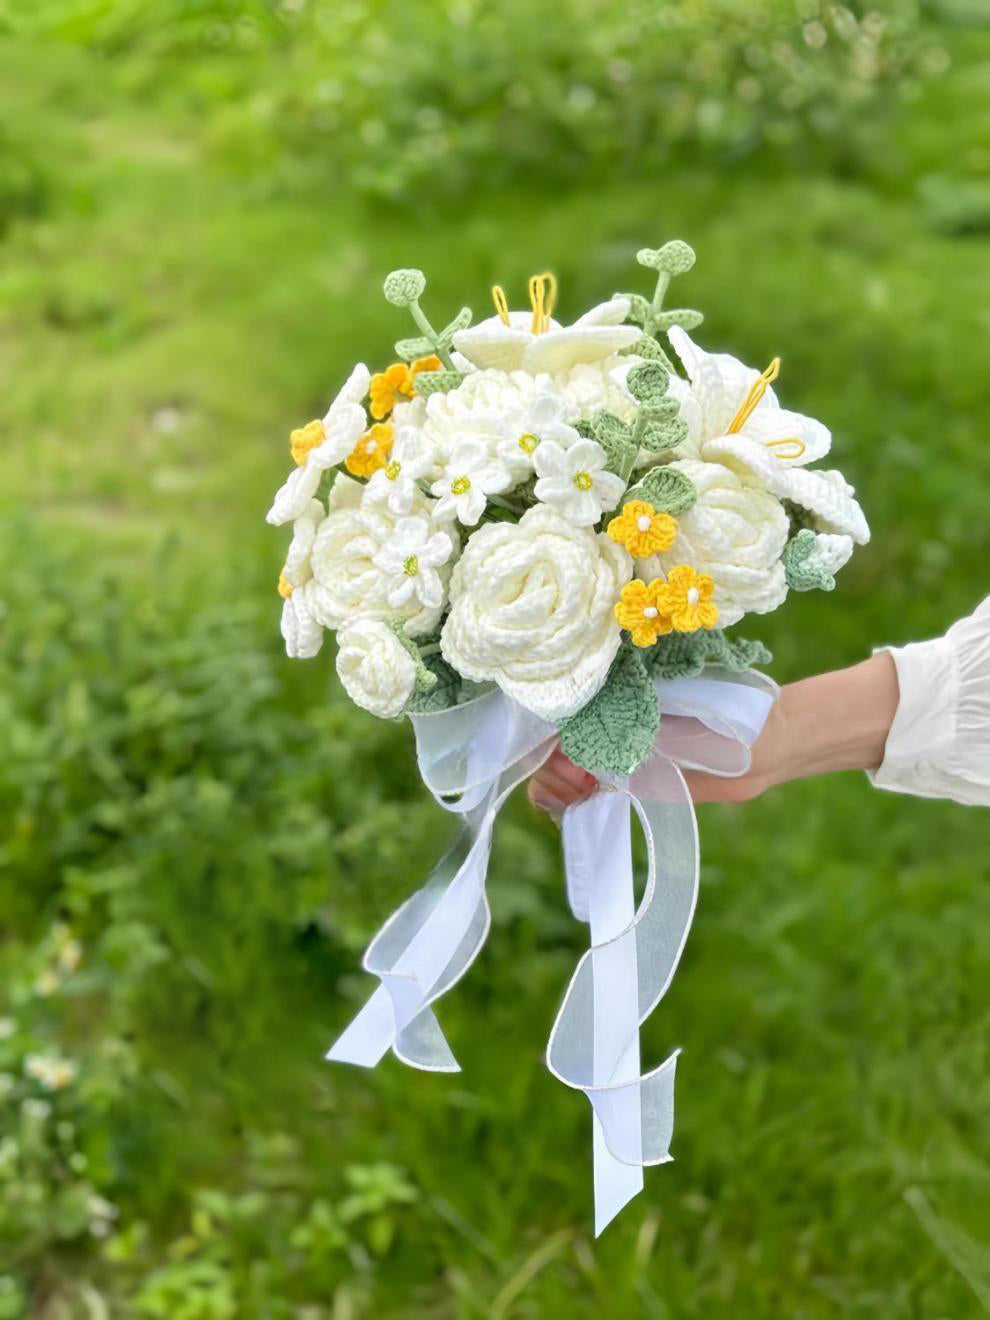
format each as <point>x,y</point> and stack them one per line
<point>939,742</point>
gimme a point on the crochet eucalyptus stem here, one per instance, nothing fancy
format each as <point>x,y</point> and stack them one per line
<point>421,319</point>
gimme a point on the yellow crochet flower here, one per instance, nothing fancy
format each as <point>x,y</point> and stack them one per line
<point>686,598</point>
<point>371,451</point>
<point>639,612</point>
<point>642,530</point>
<point>396,383</point>
<point>305,438</point>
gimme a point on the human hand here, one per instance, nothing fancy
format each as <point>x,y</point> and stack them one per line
<point>834,721</point>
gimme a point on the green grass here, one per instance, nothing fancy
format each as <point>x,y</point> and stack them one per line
<point>223,832</point>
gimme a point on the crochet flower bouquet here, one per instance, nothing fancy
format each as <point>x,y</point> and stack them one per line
<point>525,533</point>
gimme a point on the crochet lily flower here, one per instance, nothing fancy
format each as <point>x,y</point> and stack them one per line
<point>516,346</point>
<point>470,475</point>
<point>321,445</point>
<point>686,599</point>
<point>395,484</point>
<point>734,419</point>
<point>410,559</point>
<point>642,530</point>
<point>575,482</point>
<point>640,613</point>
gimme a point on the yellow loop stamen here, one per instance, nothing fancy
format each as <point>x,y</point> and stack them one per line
<point>501,305</point>
<point>542,299</point>
<point>792,440</point>
<point>756,393</point>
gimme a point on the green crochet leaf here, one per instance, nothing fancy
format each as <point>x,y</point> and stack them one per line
<point>658,436</point>
<point>684,655</point>
<point>675,257</point>
<point>614,733</point>
<point>686,317</point>
<point>616,438</point>
<point>460,322</point>
<point>639,307</point>
<point>410,349</point>
<point>666,488</point>
<point>648,383</point>
<point>802,574</point>
<point>403,287</point>
<point>647,347</point>
<point>426,679</point>
<point>442,694</point>
<point>437,382</point>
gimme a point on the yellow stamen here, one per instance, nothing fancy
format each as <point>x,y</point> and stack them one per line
<point>543,299</point>
<point>793,440</point>
<point>528,442</point>
<point>284,586</point>
<point>393,469</point>
<point>501,305</point>
<point>410,566</point>
<point>460,485</point>
<point>583,480</point>
<point>756,393</point>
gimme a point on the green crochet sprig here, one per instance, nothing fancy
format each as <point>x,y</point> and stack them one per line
<point>684,655</point>
<point>404,288</point>
<point>803,568</point>
<point>674,258</point>
<point>615,732</point>
<point>667,489</point>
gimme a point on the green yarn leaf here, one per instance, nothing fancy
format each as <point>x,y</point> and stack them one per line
<point>444,691</point>
<point>437,382</point>
<point>411,349</point>
<point>616,438</point>
<point>686,317</point>
<point>666,488</point>
<point>801,569</point>
<point>660,435</point>
<point>460,322</point>
<point>685,655</point>
<point>639,307</point>
<point>404,287</point>
<point>648,348</point>
<point>615,732</point>
<point>648,383</point>
<point>426,679</point>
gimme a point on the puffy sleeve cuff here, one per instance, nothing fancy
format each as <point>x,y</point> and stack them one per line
<point>939,743</point>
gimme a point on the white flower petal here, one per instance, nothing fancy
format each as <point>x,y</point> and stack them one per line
<point>294,495</point>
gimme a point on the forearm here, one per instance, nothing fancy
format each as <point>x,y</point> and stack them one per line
<point>835,721</point>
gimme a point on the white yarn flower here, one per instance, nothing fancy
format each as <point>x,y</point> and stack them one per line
<point>735,533</point>
<point>769,445</point>
<point>594,387</point>
<point>541,419</point>
<point>348,584</point>
<point>469,476</point>
<point>395,485</point>
<point>302,632</point>
<point>596,335</point>
<point>410,560</point>
<point>575,481</point>
<point>532,607</point>
<point>376,670</point>
<point>322,445</point>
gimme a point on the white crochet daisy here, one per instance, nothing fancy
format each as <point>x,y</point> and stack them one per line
<point>410,559</point>
<point>574,480</point>
<point>396,484</point>
<point>470,475</point>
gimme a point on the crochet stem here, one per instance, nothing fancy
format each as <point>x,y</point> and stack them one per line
<point>419,316</point>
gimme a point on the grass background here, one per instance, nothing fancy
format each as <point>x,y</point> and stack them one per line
<point>198,202</point>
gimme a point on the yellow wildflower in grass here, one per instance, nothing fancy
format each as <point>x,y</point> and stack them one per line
<point>396,383</point>
<point>371,451</point>
<point>642,530</point>
<point>305,438</point>
<point>639,612</point>
<point>686,598</point>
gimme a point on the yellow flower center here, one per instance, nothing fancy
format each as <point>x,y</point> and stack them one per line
<point>528,442</point>
<point>284,586</point>
<point>460,485</point>
<point>305,438</point>
<point>410,566</point>
<point>583,480</point>
<point>393,469</point>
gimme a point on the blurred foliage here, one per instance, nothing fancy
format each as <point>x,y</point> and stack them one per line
<point>198,201</point>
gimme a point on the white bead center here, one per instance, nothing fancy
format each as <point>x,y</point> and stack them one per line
<point>693,596</point>
<point>650,612</point>
<point>643,523</point>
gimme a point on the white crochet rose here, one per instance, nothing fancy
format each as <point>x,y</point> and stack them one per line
<point>591,387</point>
<point>377,671</point>
<point>736,533</point>
<point>532,608</point>
<point>348,583</point>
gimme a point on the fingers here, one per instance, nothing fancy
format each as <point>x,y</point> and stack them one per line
<point>559,783</point>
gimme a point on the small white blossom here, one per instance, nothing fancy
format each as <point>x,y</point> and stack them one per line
<point>470,475</point>
<point>541,419</point>
<point>396,484</point>
<point>410,559</point>
<point>322,445</point>
<point>575,481</point>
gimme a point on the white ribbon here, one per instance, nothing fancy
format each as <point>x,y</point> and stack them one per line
<point>478,753</point>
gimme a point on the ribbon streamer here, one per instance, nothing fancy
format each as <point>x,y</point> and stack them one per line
<point>471,758</point>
